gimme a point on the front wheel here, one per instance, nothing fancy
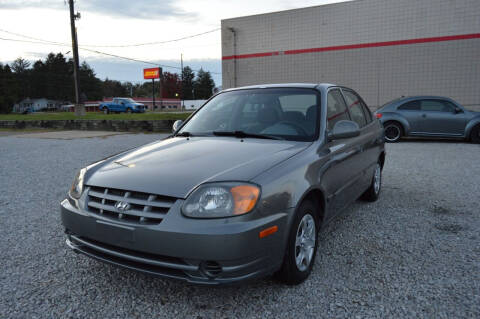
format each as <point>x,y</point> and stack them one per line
<point>373,192</point>
<point>475,135</point>
<point>301,246</point>
<point>105,110</point>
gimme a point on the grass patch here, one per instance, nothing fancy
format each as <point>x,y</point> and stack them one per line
<point>149,116</point>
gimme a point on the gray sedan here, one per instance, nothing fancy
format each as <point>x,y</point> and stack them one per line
<point>238,191</point>
<point>428,116</point>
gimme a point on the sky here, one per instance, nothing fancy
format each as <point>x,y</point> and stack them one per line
<point>125,22</point>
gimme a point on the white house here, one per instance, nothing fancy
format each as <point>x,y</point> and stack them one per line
<point>36,105</point>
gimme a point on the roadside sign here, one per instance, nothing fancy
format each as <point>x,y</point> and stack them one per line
<point>152,73</point>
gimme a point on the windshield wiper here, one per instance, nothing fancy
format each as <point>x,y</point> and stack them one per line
<point>184,134</point>
<point>243,134</point>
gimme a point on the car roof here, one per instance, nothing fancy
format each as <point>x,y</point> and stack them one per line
<point>404,99</point>
<point>284,85</point>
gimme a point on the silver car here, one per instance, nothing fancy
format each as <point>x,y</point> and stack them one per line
<point>238,191</point>
<point>428,116</point>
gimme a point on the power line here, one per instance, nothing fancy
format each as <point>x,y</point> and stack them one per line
<point>150,43</point>
<point>45,42</point>
<point>119,45</point>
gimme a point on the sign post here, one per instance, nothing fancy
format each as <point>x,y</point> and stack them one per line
<point>152,73</point>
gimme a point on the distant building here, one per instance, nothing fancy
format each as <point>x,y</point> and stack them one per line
<point>193,104</point>
<point>35,105</point>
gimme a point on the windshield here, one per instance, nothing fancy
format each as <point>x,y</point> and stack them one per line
<point>285,113</point>
<point>128,100</point>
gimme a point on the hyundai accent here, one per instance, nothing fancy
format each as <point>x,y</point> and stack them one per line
<point>240,189</point>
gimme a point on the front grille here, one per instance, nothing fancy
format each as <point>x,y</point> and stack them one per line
<point>143,208</point>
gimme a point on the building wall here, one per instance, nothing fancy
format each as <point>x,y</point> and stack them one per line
<point>381,48</point>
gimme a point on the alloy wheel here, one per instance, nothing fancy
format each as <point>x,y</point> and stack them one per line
<point>305,242</point>
<point>377,179</point>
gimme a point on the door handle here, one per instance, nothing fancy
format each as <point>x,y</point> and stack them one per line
<point>424,115</point>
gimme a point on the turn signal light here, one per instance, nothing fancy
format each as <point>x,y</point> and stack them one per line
<point>378,115</point>
<point>268,231</point>
<point>244,197</point>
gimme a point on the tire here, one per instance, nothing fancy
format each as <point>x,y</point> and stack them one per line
<point>475,135</point>
<point>296,267</point>
<point>373,192</point>
<point>129,110</point>
<point>393,132</point>
<point>106,110</point>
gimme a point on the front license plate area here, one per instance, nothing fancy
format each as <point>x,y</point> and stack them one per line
<point>115,233</point>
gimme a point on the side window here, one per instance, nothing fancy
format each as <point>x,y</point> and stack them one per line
<point>355,108</point>
<point>449,106</point>
<point>435,105</point>
<point>410,106</point>
<point>368,113</point>
<point>336,108</point>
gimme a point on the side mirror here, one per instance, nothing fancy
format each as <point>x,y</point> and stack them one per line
<point>344,129</point>
<point>457,110</point>
<point>176,125</point>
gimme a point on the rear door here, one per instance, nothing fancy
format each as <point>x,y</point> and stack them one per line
<point>114,105</point>
<point>439,118</point>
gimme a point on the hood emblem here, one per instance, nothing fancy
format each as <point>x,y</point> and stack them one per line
<point>122,206</point>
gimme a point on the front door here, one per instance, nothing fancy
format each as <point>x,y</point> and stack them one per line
<point>439,118</point>
<point>343,172</point>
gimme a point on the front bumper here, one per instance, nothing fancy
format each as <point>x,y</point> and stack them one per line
<point>214,251</point>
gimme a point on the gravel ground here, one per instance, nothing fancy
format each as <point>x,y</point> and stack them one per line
<point>414,253</point>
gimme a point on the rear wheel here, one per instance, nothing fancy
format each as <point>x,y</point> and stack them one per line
<point>373,192</point>
<point>393,131</point>
<point>475,135</point>
<point>301,246</point>
<point>106,110</point>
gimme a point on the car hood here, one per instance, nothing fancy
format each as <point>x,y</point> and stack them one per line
<point>175,166</point>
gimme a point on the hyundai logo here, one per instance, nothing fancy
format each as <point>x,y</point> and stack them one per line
<point>122,206</point>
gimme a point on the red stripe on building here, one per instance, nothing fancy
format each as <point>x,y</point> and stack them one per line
<point>357,46</point>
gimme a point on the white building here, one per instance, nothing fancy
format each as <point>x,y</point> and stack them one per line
<point>193,104</point>
<point>383,49</point>
<point>36,105</point>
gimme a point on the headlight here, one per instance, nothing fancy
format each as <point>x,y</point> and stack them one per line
<point>77,186</point>
<point>221,200</point>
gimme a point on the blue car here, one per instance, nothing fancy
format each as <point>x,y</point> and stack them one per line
<point>122,105</point>
<point>428,116</point>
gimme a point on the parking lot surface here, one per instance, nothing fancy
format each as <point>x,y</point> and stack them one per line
<point>414,253</point>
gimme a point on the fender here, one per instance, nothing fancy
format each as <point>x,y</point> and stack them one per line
<point>471,124</point>
<point>390,116</point>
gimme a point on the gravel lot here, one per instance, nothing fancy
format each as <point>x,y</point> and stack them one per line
<point>414,253</point>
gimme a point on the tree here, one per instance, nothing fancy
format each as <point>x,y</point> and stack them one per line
<point>9,89</point>
<point>187,83</point>
<point>91,88</point>
<point>171,85</point>
<point>20,65</point>
<point>112,88</point>
<point>203,85</point>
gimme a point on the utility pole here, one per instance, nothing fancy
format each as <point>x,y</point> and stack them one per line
<point>79,109</point>
<point>234,35</point>
<point>153,94</point>
<point>182,106</point>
